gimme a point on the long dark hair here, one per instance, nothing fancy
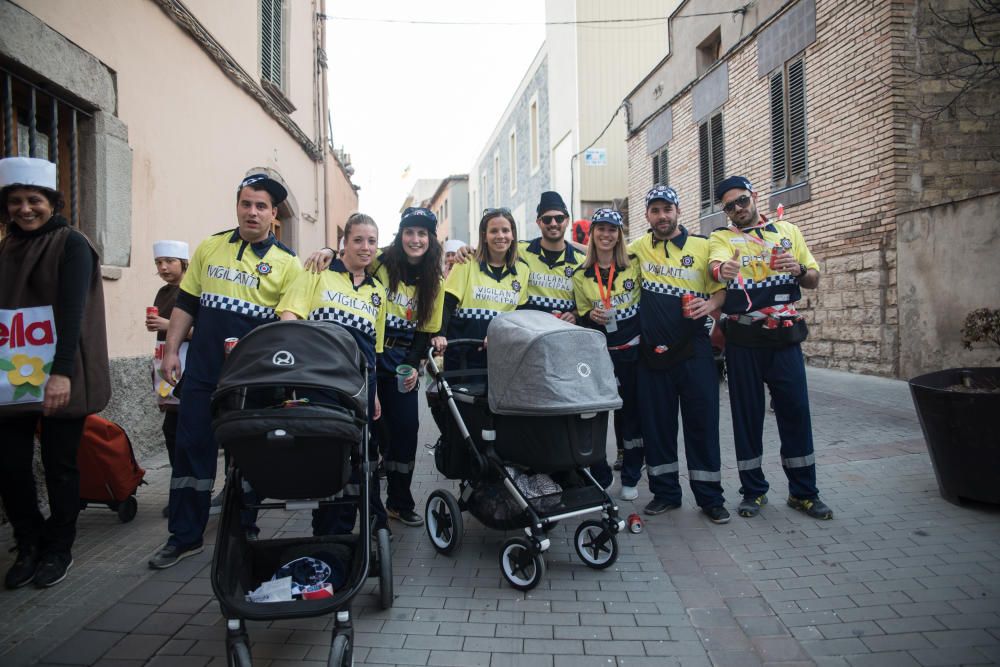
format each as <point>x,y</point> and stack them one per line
<point>429,273</point>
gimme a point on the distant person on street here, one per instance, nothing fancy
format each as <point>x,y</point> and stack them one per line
<point>233,284</point>
<point>763,265</point>
<point>676,367</point>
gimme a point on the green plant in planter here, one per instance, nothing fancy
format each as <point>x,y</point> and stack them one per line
<point>982,326</point>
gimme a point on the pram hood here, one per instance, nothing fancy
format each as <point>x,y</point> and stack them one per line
<point>540,365</point>
<point>303,353</point>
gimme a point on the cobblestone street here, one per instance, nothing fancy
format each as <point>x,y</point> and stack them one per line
<point>899,577</point>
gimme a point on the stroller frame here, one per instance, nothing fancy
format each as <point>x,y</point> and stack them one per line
<point>236,559</point>
<point>521,558</point>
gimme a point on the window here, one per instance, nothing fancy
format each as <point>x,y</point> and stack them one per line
<point>272,43</point>
<point>513,161</point>
<point>789,165</point>
<point>660,173</point>
<point>533,119</point>
<point>496,179</point>
<point>712,160</point>
<point>708,52</point>
<point>43,126</point>
<point>482,194</point>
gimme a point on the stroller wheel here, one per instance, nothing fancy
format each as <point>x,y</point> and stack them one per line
<point>443,519</point>
<point>521,565</point>
<point>341,652</point>
<point>596,545</point>
<point>238,654</point>
<point>384,568</point>
<point>127,509</point>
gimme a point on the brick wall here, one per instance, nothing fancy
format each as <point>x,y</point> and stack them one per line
<point>853,137</point>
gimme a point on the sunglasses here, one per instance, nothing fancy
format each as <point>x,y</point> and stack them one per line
<point>742,201</point>
<point>490,212</point>
<point>549,219</point>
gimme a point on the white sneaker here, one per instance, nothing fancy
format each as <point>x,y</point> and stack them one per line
<point>629,493</point>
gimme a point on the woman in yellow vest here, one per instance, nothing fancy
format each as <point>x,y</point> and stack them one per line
<point>410,269</point>
<point>606,287</point>
<point>346,295</point>
<point>475,292</point>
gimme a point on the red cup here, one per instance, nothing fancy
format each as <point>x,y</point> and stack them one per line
<point>152,311</point>
<point>229,344</point>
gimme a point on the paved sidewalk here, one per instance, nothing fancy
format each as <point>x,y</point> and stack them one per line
<point>899,577</point>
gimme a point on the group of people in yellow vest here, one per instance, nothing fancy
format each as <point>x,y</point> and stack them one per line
<point>651,298</point>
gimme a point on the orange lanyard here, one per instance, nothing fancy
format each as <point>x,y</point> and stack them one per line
<point>605,298</point>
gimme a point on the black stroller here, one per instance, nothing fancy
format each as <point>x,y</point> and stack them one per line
<point>520,438</point>
<point>291,410</point>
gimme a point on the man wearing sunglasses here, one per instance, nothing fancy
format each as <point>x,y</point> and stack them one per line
<point>764,264</point>
<point>551,260</point>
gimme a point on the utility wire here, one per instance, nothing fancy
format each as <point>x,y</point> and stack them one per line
<point>572,176</point>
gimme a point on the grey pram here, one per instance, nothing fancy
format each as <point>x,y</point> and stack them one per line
<point>520,436</point>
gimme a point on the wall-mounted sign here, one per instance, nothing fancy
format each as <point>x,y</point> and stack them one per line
<point>595,157</point>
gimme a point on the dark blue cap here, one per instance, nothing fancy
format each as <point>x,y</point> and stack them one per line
<point>607,216</point>
<point>551,201</point>
<point>732,183</point>
<point>264,182</point>
<point>663,192</point>
<point>414,216</point>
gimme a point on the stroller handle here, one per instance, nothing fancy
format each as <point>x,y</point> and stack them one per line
<point>455,342</point>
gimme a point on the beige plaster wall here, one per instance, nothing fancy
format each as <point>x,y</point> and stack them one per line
<point>193,133</point>
<point>946,255</point>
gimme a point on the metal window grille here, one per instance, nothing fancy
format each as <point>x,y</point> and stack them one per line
<point>660,171</point>
<point>712,160</point>
<point>271,48</point>
<point>789,162</point>
<point>37,123</point>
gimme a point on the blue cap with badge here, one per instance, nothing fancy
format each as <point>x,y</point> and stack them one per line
<point>264,182</point>
<point>415,216</point>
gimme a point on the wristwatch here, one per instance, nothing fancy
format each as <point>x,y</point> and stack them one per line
<point>802,271</point>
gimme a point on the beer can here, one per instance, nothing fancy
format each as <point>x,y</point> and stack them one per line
<point>152,311</point>
<point>686,300</point>
<point>634,523</point>
<point>229,344</point>
<point>775,251</point>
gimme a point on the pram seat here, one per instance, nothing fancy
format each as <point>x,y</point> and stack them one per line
<point>291,453</point>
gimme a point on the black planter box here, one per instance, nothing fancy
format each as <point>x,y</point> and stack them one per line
<point>962,430</point>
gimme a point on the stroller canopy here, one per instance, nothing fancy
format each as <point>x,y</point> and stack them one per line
<point>303,353</point>
<point>540,365</point>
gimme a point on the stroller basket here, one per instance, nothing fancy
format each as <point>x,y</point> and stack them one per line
<point>291,453</point>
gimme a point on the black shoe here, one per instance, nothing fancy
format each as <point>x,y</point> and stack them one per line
<point>171,554</point>
<point>166,511</point>
<point>815,508</point>
<point>408,517</point>
<point>52,569</point>
<point>618,461</point>
<point>750,505</point>
<point>22,572</point>
<point>717,514</point>
<point>252,534</point>
<point>659,507</point>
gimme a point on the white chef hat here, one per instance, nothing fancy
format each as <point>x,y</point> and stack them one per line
<point>178,249</point>
<point>27,171</point>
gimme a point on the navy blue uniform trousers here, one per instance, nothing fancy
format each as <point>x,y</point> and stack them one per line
<point>694,385</point>
<point>783,371</point>
<point>626,419</point>
<point>399,430</point>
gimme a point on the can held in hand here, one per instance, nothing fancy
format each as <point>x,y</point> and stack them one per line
<point>775,251</point>
<point>152,311</point>
<point>634,523</point>
<point>686,300</point>
<point>229,344</point>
